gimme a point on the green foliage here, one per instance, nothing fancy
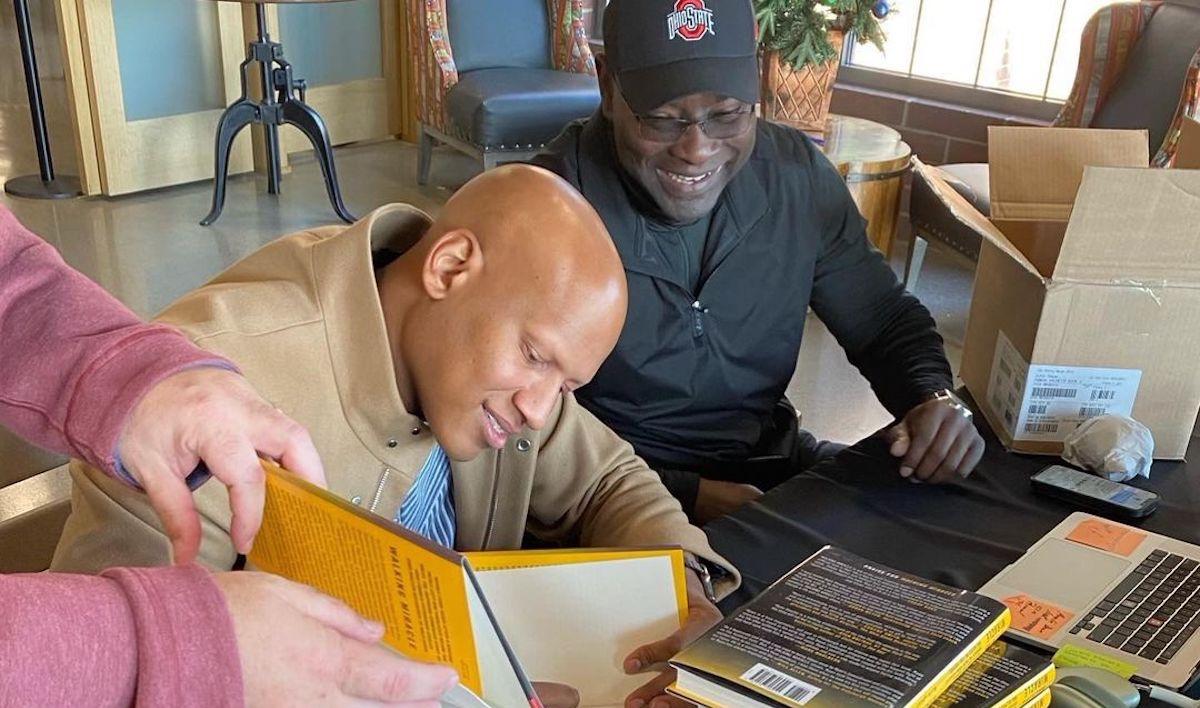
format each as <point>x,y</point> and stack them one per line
<point>799,29</point>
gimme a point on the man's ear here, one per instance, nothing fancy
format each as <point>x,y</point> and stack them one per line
<point>453,260</point>
<point>607,85</point>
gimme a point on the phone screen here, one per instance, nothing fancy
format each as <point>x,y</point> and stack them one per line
<point>1095,487</point>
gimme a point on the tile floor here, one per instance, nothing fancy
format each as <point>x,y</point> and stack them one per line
<point>148,249</point>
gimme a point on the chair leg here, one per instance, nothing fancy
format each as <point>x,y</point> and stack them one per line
<point>912,264</point>
<point>425,156</point>
<point>238,115</point>
<point>309,122</point>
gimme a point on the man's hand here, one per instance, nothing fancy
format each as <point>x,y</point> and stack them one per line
<point>702,615</point>
<point>212,415</point>
<point>556,695</point>
<point>937,442</point>
<point>298,646</point>
<point>716,499</point>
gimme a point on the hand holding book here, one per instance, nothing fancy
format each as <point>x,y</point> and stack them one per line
<point>702,615</point>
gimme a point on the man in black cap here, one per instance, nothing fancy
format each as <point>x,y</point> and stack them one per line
<point>729,227</point>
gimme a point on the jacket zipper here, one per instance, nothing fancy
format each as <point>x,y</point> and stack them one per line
<point>379,488</point>
<point>487,531</point>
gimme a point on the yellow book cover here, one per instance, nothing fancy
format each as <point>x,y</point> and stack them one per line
<point>838,631</point>
<point>1004,676</point>
<point>479,611</point>
<point>1040,701</point>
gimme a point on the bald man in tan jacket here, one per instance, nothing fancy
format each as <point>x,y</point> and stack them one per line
<point>400,339</point>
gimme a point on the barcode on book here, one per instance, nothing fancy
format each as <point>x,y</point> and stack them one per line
<point>780,683</point>
<point>1053,392</point>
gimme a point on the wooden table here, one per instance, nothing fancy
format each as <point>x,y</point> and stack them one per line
<point>873,159</point>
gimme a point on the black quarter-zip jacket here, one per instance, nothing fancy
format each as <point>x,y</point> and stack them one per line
<point>695,374</point>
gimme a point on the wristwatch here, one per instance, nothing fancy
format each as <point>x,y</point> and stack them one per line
<point>951,399</point>
<point>701,569</point>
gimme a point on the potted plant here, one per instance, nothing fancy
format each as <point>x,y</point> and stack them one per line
<point>801,43</point>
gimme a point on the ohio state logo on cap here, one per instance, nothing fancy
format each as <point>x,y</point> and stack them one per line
<point>690,20</point>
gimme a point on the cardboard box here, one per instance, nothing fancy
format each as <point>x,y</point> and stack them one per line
<point>1087,293</point>
<point>1187,153</point>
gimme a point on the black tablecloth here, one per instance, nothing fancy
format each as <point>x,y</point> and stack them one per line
<point>961,534</point>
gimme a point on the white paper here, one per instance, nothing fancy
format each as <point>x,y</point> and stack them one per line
<point>1044,402</point>
<point>1006,385</point>
<point>1060,398</point>
<point>576,623</point>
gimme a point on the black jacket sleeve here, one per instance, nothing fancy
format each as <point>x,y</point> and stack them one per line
<point>684,486</point>
<point>887,333</point>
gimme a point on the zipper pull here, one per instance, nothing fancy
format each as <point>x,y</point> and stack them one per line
<point>698,312</point>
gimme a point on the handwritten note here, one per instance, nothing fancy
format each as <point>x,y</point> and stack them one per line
<point>1035,617</point>
<point>1072,655</point>
<point>1106,536</point>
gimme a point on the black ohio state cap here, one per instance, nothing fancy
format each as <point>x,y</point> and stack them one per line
<point>661,50</point>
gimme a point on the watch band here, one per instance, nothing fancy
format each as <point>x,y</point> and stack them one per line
<point>701,569</point>
<point>951,399</point>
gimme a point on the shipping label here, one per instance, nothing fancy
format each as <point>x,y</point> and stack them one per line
<point>1046,403</point>
<point>1006,385</point>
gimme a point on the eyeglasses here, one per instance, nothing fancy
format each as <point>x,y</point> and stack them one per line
<point>718,127</point>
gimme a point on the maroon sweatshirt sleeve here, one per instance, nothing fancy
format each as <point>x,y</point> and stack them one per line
<point>154,636</point>
<point>74,361</point>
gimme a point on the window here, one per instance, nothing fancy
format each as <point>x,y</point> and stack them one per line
<point>1029,48</point>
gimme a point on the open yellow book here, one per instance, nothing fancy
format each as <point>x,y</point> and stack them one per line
<point>570,616</point>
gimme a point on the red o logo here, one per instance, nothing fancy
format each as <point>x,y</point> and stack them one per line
<point>690,20</point>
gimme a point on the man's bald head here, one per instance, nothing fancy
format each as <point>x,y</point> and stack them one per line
<point>515,294</point>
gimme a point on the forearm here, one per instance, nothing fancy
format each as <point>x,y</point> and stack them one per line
<point>75,361</point>
<point>906,360</point>
<point>151,636</point>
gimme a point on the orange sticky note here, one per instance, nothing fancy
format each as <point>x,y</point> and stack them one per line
<point>1041,619</point>
<point>1107,537</point>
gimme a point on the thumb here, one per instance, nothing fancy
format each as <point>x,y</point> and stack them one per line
<point>899,439</point>
<point>646,656</point>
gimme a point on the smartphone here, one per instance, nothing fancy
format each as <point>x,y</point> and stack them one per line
<point>1095,493</point>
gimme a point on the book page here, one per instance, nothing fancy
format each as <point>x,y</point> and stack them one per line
<point>576,623</point>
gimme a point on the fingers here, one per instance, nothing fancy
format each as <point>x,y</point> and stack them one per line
<point>952,452</point>
<point>898,436</point>
<point>935,452</point>
<point>372,673</point>
<point>646,656</point>
<point>973,456</point>
<point>329,611</point>
<point>556,695</point>
<point>921,434</point>
<point>172,500</point>
<point>653,693</point>
<point>232,459</point>
<point>300,456</point>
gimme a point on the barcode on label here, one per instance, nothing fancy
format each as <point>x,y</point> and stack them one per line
<point>1090,411</point>
<point>1041,427</point>
<point>777,682</point>
<point>1103,394</point>
<point>1037,409</point>
<point>1052,392</point>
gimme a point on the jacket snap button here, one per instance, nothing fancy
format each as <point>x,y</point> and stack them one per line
<point>523,445</point>
<point>392,442</point>
<point>357,501</point>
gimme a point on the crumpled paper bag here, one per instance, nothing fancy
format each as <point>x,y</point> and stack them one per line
<point>1113,446</point>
